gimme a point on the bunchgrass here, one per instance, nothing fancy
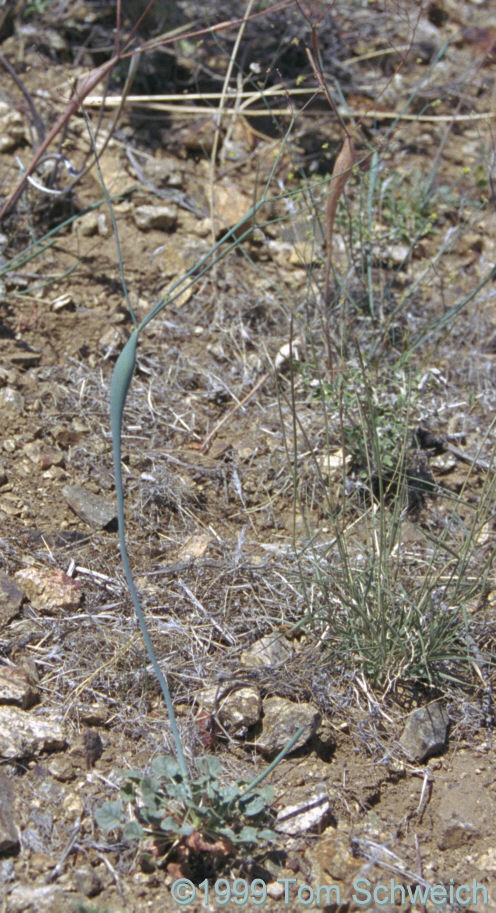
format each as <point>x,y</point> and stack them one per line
<point>397,593</point>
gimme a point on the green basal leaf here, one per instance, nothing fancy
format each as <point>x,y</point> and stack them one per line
<point>166,766</point>
<point>252,805</point>
<point>176,790</point>
<point>149,784</point>
<point>209,765</point>
<point>248,835</point>
<point>153,818</point>
<point>132,774</point>
<point>132,830</point>
<point>169,824</point>
<point>110,815</point>
<point>128,792</point>
<point>267,792</point>
<point>228,833</point>
<point>267,834</point>
<point>230,794</point>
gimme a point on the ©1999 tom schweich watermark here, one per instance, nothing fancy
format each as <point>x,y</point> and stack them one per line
<point>389,892</point>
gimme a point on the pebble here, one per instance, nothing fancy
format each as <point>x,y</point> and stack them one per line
<point>94,509</point>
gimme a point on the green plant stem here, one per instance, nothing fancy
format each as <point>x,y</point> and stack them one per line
<point>265,773</point>
<point>121,379</point>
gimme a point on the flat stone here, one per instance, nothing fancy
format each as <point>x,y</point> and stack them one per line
<point>195,546</point>
<point>85,880</point>
<point>271,650</point>
<point>162,217</point>
<point>456,833</point>
<point>9,834</point>
<point>163,172</point>
<point>465,810</point>
<point>24,735</point>
<point>231,205</point>
<point>281,721</point>
<point>43,456</point>
<point>179,254</point>
<point>16,687</point>
<point>11,599</point>
<point>97,511</point>
<point>425,732</point>
<point>331,859</point>
<point>49,591</point>
<point>63,768</point>
<point>311,815</point>
<point>45,899</point>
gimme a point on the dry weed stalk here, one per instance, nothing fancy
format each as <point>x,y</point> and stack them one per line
<point>96,75</point>
<point>341,173</point>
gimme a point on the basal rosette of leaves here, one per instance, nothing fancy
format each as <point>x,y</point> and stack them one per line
<point>175,820</point>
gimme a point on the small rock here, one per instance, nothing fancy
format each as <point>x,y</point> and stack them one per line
<point>464,810</point>
<point>312,815</point>
<point>93,509</point>
<point>43,456</point>
<point>24,735</point>
<point>95,714</point>
<point>11,599</point>
<point>50,592</point>
<point>63,302</point>
<point>275,890</point>
<point>9,835</point>
<point>11,400</point>
<point>281,721</point>
<point>331,859</point>
<point>85,880</point>
<point>86,225</point>
<point>63,768</point>
<point>16,688</point>
<point>332,465</point>
<point>103,225</point>
<point>12,128</point>
<point>93,747</point>
<point>195,547</point>
<point>163,172</point>
<point>231,205</point>
<point>425,732</point>
<point>236,709</point>
<point>271,650</point>
<point>398,253</point>
<point>45,899</point>
<point>456,833</point>
<point>162,217</point>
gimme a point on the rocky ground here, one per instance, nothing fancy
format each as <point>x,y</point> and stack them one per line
<point>256,489</point>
